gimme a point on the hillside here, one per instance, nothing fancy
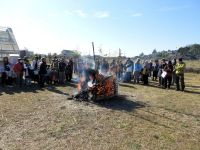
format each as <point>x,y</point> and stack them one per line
<point>190,52</point>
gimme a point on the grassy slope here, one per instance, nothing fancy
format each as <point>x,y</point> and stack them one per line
<point>193,64</point>
<point>141,118</point>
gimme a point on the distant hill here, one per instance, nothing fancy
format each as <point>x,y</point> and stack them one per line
<point>190,52</point>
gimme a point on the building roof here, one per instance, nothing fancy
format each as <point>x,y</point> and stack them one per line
<point>7,40</point>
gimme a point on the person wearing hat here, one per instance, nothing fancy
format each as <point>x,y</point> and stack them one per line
<point>19,69</point>
<point>179,70</point>
<point>137,70</point>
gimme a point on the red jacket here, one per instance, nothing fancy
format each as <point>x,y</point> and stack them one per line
<point>18,68</point>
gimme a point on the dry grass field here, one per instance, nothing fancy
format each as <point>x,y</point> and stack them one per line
<point>193,64</point>
<point>140,117</point>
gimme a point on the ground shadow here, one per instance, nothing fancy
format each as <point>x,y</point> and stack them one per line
<point>55,90</point>
<point>71,84</point>
<point>127,85</point>
<point>14,90</point>
<point>121,103</point>
<point>192,92</point>
<point>192,86</point>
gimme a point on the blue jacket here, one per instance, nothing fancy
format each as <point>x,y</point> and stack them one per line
<point>137,67</point>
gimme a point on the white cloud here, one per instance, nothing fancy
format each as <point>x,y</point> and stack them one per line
<point>137,15</point>
<point>80,13</point>
<point>102,14</point>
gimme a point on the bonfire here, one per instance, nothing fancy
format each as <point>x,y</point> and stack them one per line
<point>96,86</point>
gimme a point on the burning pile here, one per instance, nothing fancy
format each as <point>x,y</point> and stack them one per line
<point>95,86</point>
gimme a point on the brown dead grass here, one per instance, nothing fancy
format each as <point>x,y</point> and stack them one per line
<point>141,118</point>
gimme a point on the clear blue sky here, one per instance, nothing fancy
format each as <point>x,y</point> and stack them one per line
<point>135,26</point>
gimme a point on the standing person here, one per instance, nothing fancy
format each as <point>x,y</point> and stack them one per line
<point>19,69</point>
<point>129,70</point>
<point>150,68</point>
<point>75,66</point>
<point>97,65</point>
<point>62,68</point>
<point>53,77</point>
<point>137,71</point>
<point>71,68</point>
<point>35,67</point>
<point>145,73</point>
<point>180,69</point>
<point>27,72</point>
<point>42,72</point>
<point>168,79</point>
<point>113,67</point>
<point>174,73</point>
<point>48,79</point>
<point>55,63</point>
<point>6,78</point>
<point>104,67</point>
<point>161,69</point>
<point>155,70</point>
<point>120,68</point>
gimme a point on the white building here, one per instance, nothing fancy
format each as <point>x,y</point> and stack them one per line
<point>8,43</point>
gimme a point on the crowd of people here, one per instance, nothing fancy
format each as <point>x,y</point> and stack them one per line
<point>60,71</point>
<point>27,71</point>
<point>167,73</point>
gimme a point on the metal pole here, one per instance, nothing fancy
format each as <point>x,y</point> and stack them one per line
<point>94,55</point>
